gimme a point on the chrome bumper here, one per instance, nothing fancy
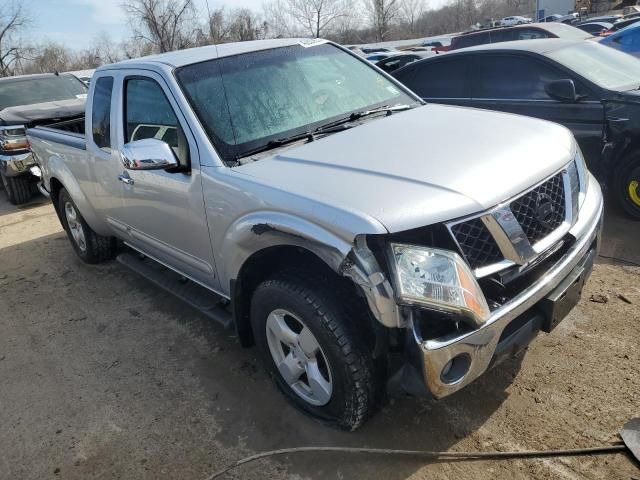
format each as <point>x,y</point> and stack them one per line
<point>13,165</point>
<point>478,347</point>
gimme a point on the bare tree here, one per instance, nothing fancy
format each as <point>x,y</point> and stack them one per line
<point>382,14</point>
<point>316,16</point>
<point>244,25</point>
<point>166,24</point>
<point>410,11</point>
<point>277,20</point>
<point>217,28</point>
<point>13,19</point>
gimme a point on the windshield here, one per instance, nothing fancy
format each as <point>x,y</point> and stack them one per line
<point>16,92</point>
<point>247,100</point>
<point>604,66</point>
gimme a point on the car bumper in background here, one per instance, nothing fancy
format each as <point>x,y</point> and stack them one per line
<point>449,364</point>
<point>14,165</point>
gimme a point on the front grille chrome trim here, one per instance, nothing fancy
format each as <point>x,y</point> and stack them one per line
<point>510,239</point>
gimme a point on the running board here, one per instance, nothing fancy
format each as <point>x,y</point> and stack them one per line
<point>205,301</point>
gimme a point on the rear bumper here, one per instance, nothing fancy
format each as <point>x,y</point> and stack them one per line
<point>14,165</point>
<point>515,324</point>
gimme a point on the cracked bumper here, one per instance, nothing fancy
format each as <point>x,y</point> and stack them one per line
<point>14,165</point>
<point>480,348</point>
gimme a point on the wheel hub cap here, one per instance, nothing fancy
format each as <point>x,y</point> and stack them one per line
<point>75,227</point>
<point>299,357</point>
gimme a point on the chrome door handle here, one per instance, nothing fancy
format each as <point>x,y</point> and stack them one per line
<point>125,179</point>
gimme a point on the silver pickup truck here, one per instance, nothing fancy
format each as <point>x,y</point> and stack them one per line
<point>363,240</point>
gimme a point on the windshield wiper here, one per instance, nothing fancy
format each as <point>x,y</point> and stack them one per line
<point>331,127</point>
<point>365,113</point>
<point>278,142</point>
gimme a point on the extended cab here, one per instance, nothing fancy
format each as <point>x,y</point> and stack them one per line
<point>27,101</point>
<point>324,212</point>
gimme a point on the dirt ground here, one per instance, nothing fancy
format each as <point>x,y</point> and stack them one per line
<point>103,376</point>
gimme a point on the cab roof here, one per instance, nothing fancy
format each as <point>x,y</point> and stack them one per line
<point>189,56</point>
<point>539,46</point>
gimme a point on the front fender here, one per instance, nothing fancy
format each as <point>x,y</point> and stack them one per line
<point>259,230</point>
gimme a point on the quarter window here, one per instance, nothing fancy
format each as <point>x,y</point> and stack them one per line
<point>148,114</point>
<point>101,113</point>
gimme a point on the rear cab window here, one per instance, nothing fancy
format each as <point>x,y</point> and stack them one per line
<point>101,113</point>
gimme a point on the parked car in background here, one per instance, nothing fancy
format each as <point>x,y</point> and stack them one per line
<point>569,19</point>
<point>595,28</point>
<point>551,18</point>
<point>517,20</point>
<point>324,213</point>
<point>27,101</point>
<point>370,50</point>
<point>631,10</point>
<point>439,44</point>
<point>399,60</point>
<point>603,18</point>
<point>376,57</point>
<point>589,88</point>
<point>521,32</point>
<point>626,40</point>
<point>619,25</point>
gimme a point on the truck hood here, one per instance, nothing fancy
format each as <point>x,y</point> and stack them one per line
<point>28,114</point>
<point>431,164</point>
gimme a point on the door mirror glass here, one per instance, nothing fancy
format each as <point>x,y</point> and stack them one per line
<point>148,154</point>
<point>562,90</point>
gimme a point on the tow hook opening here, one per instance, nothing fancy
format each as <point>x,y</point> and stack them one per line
<point>455,369</point>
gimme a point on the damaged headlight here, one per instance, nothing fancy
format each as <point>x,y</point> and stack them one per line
<point>439,279</point>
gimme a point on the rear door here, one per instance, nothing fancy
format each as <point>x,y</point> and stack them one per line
<point>442,80</point>
<point>516,84</point>
<point>163,211</point>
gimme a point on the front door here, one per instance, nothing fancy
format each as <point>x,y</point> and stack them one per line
<point>516,84</point>
<point>163,211</point>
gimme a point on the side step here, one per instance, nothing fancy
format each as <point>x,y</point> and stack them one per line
<point>203,300</point>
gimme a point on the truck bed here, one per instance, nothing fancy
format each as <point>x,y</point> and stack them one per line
<point>70,133</point>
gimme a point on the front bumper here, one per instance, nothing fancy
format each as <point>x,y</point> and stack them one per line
<point>478,349</point>
<point>14,165</point>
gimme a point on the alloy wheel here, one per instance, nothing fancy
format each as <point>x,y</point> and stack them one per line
<point>299,358</point>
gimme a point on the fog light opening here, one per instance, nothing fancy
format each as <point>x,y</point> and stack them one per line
<point>455,369</point>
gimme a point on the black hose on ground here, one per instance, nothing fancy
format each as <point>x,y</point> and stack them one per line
<point>571,452</point>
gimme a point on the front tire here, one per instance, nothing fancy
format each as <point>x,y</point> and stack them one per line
<point>18,189</point>
<point>307,343</point>
<point>89,246</point>
<point>627,184</point>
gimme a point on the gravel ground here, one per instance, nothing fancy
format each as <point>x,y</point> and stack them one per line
<point>102,376</point>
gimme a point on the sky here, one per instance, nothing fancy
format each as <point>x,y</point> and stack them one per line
<point>75,23</point>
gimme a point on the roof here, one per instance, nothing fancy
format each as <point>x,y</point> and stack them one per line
<point>188,56</point>
<point>34,75</point>
<point>540,46</point>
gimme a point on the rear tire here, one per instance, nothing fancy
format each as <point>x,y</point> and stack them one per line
<point>90,247</point>
<point>626,183</point>
<point>18,189</point>
<point>325,368</point>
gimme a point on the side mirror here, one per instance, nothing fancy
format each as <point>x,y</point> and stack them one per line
<point>148,154</point>
<point>562,90</point>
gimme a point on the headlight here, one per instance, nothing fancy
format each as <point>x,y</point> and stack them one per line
<point>440,279</point>
<point>581,166</point>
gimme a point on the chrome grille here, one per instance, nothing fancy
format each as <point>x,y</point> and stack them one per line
<point>476,243</point>
<point>524,209</point>
<point>482,240</point>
